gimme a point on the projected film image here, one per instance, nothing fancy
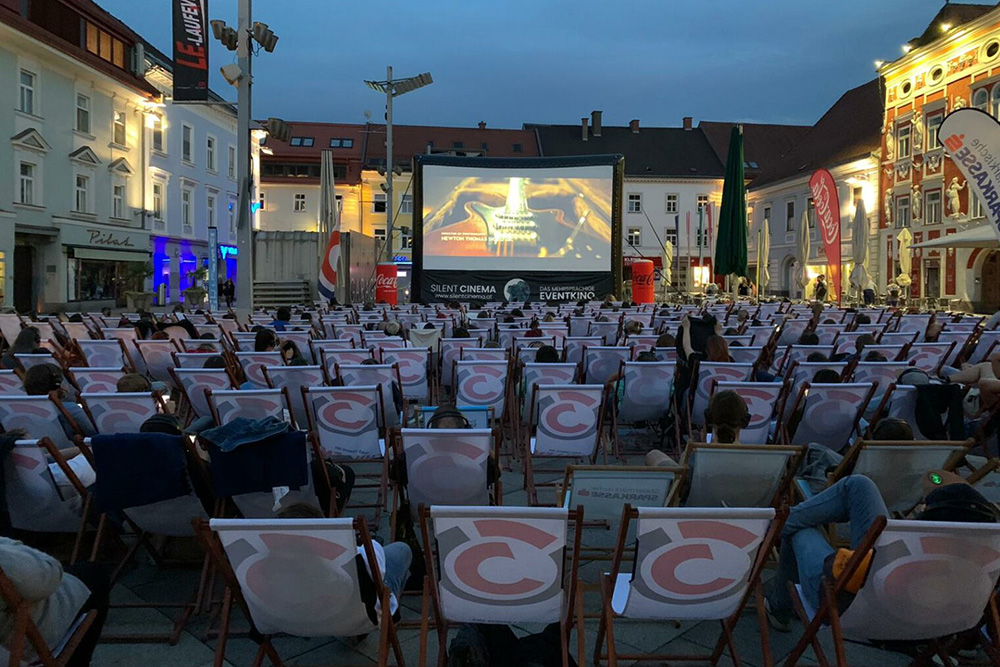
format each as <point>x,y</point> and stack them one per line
<point>542,219</point>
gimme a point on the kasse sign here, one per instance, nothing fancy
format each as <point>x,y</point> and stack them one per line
<point>972,139</point>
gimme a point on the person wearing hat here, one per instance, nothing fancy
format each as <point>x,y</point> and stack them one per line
<point>807,558</point>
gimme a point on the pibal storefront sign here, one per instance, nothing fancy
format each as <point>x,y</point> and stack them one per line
<point>108,238</point>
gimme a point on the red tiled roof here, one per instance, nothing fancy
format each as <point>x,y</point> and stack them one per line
<point>763,143</point>
<point>410,140</point>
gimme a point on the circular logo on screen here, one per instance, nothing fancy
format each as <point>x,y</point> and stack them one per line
<point>516,290</point>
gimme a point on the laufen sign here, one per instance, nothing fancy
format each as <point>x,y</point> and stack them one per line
<point>824,192</point>
<point>972,139</point>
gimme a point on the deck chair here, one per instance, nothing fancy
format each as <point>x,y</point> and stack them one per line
<point>385,376</point>
<point>191,359</point>
<point>600,363</point>
<point>535,373</point>
<point>194,382</point>
<point>930,357</point>
<point>891,351</point>
<point>345,425</point>
<point>298,577</point>
<point>482,354</point>
<point>96,380</point>
<point>691,564</point>
<point>899,338</point>
<point>292,379</point>
<point>330,358</point>
<point>800,372</point>
<point>645,388</point>
<point>641,343</point>
<point>158,358</point>
<point>318,345</point>
<point>764,401</point>
<point>739,475</point>
<point>961,340</point>
<point>500,565</point>
<point>36,502</point>
<point>253,364</point>
<point>229,404</point>
<point>413,364</point>
<point>10,326</point>
<point>603,491</point>
<point>800,353</point>
<point>579,325</point>
<point>882,372</point>
<point>829,334</point>
<point>608,331</point>
<point>761,334</point>
<point>38,416</point>
<point>898,468</point>
<point>447,466</point>
<point>573,347</point>
<point>989,343</point>
<point>301,340</point>
<point>915,323</point>
<point>746,355</point>
<point>194,344</point>
<point>831,413</point>
<point>927,580</point>
<point>132,484</point>
<point>351,332</point>
<point>119,412</point>
<point>706,373</point>
<point>24,633</point>
<point>565,423</point>
<point>104,353</point>
<point>448,354</point>
<point>483,384</point>
<point>11,384</point>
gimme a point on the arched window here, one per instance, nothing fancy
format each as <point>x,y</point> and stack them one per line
<point>980,99</point>
<point>995,102</point>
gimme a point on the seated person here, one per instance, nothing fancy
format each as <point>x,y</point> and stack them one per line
<point>984,377</point>
<point>133,383</point>
<point>808,338</point>
<point>717,349</point>
<point>215,361</point>
<point>807,558</point>
<point>727,413</point>
<point>822,376</point>
<point>28,341</point>
<point>47,379</point>
<point>874,355</point>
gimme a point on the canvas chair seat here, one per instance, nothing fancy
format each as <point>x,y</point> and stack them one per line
<point>739,475</point>
<point>447,466</point>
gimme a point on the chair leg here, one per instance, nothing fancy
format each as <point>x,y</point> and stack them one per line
<point>424,613</point>
<point>728,636</point>
<point>220,646</point>
<point>838,635</point>
<point>581,640</point>
<point>765,631</point>
<point>84,516</point>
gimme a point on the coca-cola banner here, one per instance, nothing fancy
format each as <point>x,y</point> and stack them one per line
<point>824,192</point>
<point>190,50</point>
<point>385,283</point>
<point>972,139</point>
<point>439,286</point>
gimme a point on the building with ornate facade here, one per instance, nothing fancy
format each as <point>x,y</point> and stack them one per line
<point>955,63</point>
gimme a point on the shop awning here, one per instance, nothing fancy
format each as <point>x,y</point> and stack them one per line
<point>110,255</point>
<point>976,237</point>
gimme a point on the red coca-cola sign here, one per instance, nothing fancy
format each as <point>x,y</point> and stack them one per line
<point>385,284</point>
<point>824,192</point>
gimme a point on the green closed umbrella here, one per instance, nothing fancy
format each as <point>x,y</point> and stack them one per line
<point>731,234</point>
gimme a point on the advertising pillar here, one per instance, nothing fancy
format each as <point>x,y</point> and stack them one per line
<point>642,281</point>
<point>385,283</point>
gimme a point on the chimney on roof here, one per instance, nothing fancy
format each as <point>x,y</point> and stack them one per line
<point>482,125</point>
<point>595,122</point>
<point>634,125</point>
<point>583,122</point>
<point>688,122</point>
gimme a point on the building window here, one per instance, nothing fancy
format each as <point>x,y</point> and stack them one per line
<point>670,236</point>
<point>210,206</point>
<point>118,201</point>
<point>975,206</point>
<point>300,203</point>
<point>789,216</point>
<point>262,207</point>
<point>232,162</point>
<point>903,141</point>
<point>517,148</point>
<point>83,114</point>
<point>933,125</point>
<point>210,153</point>
<point>932,207</point>
<point>341,142</point>
<point>902,211</point>
<point>187,137</point>
<point>187,219</point>
<point>157,134</point>
<point>856,195</point>
<point>378,202</point>
<point>118,129</point>
<point>635,202</point>
<point>767,213</point>
<point>749,217</point>
<point>26,184</point>
<point>485,146</point>
<point>406,205</point>
<point>232,217</point>
<point>28,80</point>
<point>811,213</point>
<point>379,233</point>
<point>672,203</point>
<point>633,236</point>
<point>301,141</point>
<point>81,201</point>
<point>995,102</point>
<point>981,100</point>
<point>104,46</point>
<point>157,201</point>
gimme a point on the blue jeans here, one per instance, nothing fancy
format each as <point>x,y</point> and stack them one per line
<point>804,547</point>
<point>398,556</point>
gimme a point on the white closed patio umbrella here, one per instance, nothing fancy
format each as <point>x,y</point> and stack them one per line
<point>802,255</point>
<point>859,237</point>
<point>763,257</point>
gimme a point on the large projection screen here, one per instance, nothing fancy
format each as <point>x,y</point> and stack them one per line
<point>516,229</point>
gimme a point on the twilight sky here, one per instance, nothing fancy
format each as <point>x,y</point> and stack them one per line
<point>552,61</point>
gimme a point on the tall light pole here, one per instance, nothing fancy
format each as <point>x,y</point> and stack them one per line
<point>393,88</point>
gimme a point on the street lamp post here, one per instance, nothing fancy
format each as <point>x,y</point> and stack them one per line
<point>393,88</point>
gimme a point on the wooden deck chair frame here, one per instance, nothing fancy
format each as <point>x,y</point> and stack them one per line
<point>800,401</point>
<point>572,616</point>
<point>144,539</point>
<point>157,401</point>
<point>127,361</point>
<point>650,425</point>
<point>25,632</point>
<point>782,490</point>
<point>829,614</point>
<point>388,638</point>
<point>755,588</point>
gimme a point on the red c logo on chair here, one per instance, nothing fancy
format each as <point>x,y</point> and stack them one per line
<point>347,413</point>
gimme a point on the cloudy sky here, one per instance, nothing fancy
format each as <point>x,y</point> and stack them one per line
<point>552,61</point>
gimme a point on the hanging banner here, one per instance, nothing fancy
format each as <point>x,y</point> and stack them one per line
<point>190,50</point>
<point>213,269</point>
<point>824,192</point>
<point>972,138</point>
